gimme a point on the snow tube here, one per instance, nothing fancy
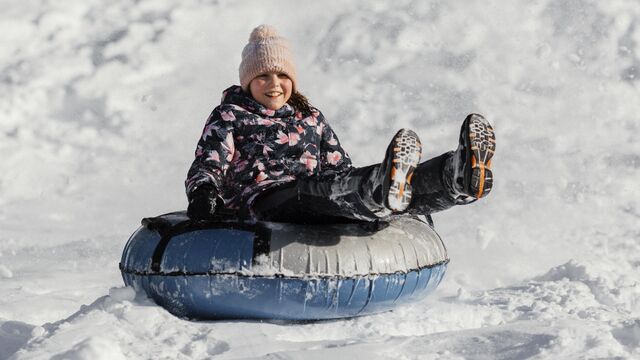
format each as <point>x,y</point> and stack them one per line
<point>232,270</point>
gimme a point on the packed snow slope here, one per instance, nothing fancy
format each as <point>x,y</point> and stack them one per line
<point>102,102</point>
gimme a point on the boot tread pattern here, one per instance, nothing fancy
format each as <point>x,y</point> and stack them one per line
<point>407,151</point>
<point>482,142</point>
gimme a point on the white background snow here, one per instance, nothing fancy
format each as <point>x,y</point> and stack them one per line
<point>102,102</point>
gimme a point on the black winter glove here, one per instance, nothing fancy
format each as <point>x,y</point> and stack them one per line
<point>202,203</point>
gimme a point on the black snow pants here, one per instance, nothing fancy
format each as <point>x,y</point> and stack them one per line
<point>342,199</point>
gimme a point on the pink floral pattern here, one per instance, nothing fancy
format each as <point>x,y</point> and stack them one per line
<point>334,157</point>
<point>282,138</point>
<point>332,141</point>
<point>261,177</point>
<point>214,156</point>
<point>246,148</point>
<point>227,115</point>
<point>309,160</point>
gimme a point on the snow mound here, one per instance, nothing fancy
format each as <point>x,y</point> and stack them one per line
<point>612,283</point>
<point>92,348</point>
<point>122,326</point>
<point>556,315</point>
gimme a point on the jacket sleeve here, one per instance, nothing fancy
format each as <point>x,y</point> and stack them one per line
<point>213,154</point>
<point>333,158</point>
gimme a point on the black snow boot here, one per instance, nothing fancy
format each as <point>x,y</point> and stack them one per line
<point>390,185</point>
<point>468,171</point>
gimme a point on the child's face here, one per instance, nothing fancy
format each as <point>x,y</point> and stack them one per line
<point>271,89</point>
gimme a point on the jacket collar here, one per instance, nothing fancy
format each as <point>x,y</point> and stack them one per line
<point>236,96</point>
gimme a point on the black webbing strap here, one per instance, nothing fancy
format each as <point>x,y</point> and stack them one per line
<point>226,220</point>
<point>167,232</point>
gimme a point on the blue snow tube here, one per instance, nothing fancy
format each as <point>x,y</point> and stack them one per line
<point>232,270</point>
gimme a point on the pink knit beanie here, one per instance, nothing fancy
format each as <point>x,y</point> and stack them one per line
<point>265,52</point>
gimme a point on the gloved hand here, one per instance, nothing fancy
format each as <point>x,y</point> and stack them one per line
<point>202,202</point>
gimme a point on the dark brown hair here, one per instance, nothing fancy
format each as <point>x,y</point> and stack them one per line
<point>300,103</point>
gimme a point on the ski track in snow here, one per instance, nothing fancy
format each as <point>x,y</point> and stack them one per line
<point>102,103</point>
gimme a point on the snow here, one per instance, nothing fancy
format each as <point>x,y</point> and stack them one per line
<point>101,105</point>
<point>5,272</point>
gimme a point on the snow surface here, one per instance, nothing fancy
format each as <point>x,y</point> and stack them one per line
<point>102,102</point>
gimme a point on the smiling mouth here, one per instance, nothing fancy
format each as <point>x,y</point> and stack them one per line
<point>273,94</point>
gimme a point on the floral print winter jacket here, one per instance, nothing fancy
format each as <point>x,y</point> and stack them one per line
<point>246,148</point>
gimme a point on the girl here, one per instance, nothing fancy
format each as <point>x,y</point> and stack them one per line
<point>268,154</point>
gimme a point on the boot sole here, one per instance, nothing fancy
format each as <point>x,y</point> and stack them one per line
<point>481,147</point>
<point>406,153</point>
